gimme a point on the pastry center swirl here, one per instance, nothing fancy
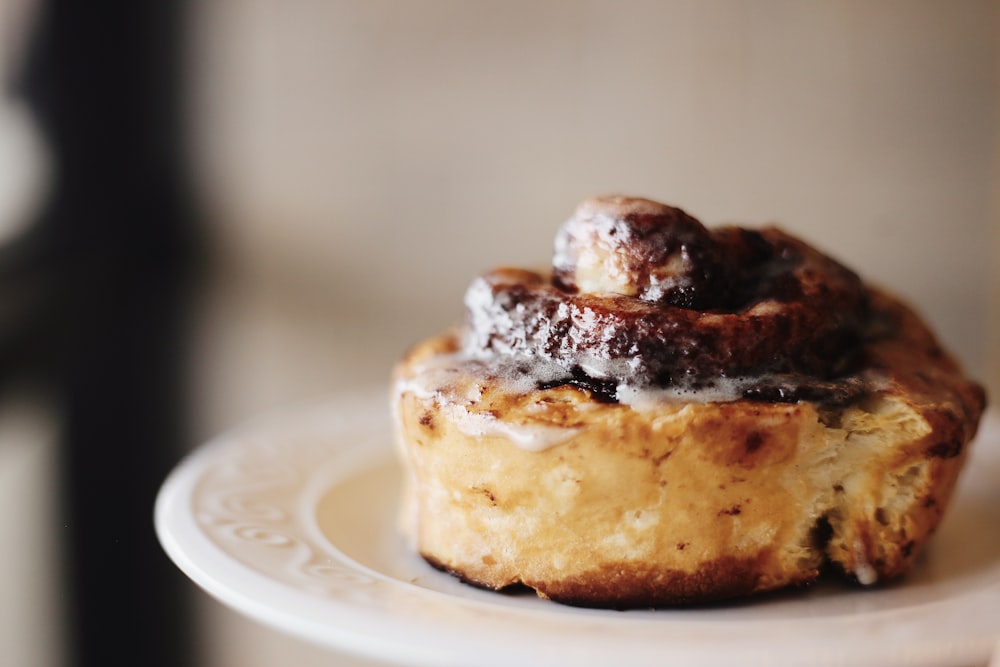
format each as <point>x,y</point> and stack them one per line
<point>641,293</point>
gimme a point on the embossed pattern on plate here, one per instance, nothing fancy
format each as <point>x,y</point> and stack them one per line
<point>291,520</point>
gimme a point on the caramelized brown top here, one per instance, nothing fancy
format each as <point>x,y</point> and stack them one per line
<point>641,292</point>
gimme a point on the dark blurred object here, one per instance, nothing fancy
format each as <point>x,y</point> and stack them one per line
<point>95,305</point>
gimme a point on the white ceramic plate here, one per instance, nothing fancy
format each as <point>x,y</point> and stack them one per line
<point>292,522</point>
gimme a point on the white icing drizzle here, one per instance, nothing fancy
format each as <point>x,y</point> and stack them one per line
<point>863,570</point>
<point>530,437</point>
<point>723,390</point>
<point>456,381</point>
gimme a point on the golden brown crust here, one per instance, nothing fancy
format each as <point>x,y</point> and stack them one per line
<point>573,437</point>
<point>688,502</point>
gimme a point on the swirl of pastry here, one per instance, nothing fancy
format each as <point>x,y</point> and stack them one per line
<point>642,293</point>
<point>639,248</point>
<point>676,415</point>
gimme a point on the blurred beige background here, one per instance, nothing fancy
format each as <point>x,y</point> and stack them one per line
<point>362,161</point>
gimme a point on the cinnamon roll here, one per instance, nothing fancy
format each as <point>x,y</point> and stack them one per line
<point>673,414</point>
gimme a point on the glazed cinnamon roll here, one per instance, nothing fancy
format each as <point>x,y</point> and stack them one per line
<point>673,414</point>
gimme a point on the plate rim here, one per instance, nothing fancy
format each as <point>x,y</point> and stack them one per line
<point>362,631</point>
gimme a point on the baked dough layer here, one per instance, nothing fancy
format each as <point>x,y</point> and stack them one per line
<point>673,502</point>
